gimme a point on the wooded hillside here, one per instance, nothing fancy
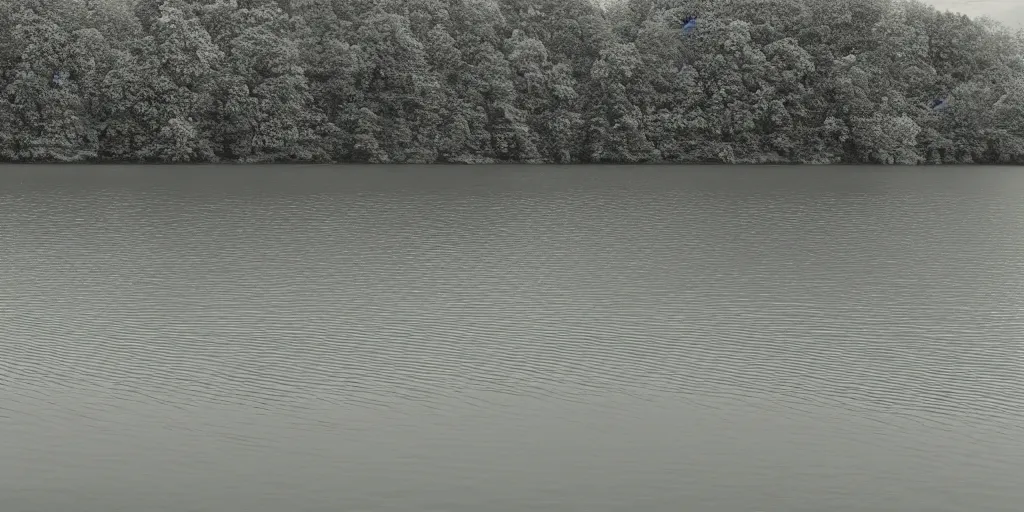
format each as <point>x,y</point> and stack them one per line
<point>811,81</point>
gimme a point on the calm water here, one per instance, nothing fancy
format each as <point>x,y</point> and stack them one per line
<point>416,339</point>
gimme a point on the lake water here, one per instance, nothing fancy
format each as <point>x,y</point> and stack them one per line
<point>511,339</point>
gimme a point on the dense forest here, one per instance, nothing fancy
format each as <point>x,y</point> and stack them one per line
<point>563,81</point>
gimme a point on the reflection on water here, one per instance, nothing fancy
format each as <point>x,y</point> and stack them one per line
<point>510,339</point>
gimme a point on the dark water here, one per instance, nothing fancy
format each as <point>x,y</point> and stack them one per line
<point>268,339</point>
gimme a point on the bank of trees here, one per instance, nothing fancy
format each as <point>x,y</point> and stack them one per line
<point>815,81</point>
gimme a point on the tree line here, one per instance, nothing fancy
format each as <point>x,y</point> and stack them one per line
<point>473,81</point>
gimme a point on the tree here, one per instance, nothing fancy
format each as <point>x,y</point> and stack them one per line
<point>261,106</point>
<point>43,117</point>
<point>156,94</point>
<point>507,80</point>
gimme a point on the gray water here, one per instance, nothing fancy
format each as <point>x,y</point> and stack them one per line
<point>511,339</point>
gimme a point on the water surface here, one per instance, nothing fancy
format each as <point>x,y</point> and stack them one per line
<point>511,339</point>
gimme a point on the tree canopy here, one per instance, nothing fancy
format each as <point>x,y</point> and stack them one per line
<point>561,81</point>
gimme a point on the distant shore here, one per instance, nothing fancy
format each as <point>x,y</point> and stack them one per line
<point>892,82</point>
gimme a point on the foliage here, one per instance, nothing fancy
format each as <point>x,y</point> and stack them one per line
<point>561,81</point>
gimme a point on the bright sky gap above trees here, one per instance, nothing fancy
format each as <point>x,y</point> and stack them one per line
<point>808,81</point>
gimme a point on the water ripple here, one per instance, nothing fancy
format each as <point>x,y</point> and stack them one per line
<point>512,339</point>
